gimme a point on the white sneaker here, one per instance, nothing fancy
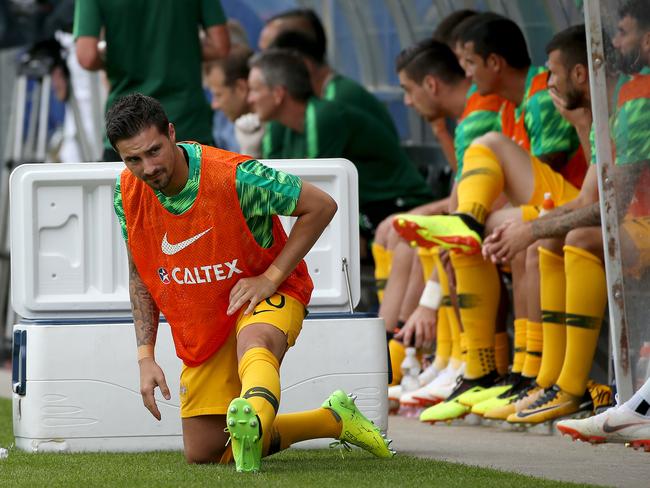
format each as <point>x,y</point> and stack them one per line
<point>618,424</point>
<point>442,386</point>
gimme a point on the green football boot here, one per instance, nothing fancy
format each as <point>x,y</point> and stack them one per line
<point>473,397</point>
<point>447,231</point>
<point>444,412</point>
<point>243,424</point>
<point>492,403</point>
<point>356,428</point>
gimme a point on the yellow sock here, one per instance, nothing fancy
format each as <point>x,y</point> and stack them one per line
<point>586,297</point>
<point>443,340</point>
<point>397,354</point>
<point>481,182</point>
<point>552,286</point>
<point>383,258</point>
<point>259,371</point>
<point>427,258</point>
<point>533,359</point>
<point>295,427</point>
<point>520,345</point>
<point>478,287</point>
<point>502,352</point>
<point>463,347</point>
<point>447,310</point>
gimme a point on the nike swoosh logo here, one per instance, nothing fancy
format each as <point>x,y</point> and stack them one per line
<point>171,249</point>
<point>608,428</point>
<point>261,311</point>
<point>540,410</point>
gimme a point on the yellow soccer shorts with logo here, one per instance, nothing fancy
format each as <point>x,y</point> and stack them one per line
<point>208,389</point>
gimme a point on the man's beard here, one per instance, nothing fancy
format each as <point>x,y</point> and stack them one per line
<point>574,99</point>
<point>631,62</point>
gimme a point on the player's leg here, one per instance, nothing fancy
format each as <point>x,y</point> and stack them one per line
<point>493,164</point>
<point>204,439</point>
<point>398,282</point>
<point>260,349</point>
<point>205,392</point>
<point>586,298</point>
<point>262,339</point>
<point>552,279</point>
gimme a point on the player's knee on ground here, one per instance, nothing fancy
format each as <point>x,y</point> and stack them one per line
<point>588,238</point>
<point>204,451</point>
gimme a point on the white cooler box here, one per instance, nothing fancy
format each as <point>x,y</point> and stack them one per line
<point>75,374</point>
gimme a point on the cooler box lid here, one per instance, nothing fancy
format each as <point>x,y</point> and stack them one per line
<point>68,258</point>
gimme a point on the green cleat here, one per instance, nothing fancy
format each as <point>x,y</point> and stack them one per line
<point>492,403</point>
<point>475,396</point>
<point>444,412</point>
<point>243,424</point>
<point>356,428</point>
<point>447,231</point>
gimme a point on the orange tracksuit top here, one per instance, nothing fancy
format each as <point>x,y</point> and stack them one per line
<point>190,262</point>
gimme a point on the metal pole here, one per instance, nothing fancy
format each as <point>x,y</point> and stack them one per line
<point>608,206</point>
<point>41,141</point>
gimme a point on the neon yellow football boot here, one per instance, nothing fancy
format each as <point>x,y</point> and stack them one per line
<point>243,424</point>
<point>356,428</point>
<point>444,412</point>
<point>517,384</point>
<point>447,231</point>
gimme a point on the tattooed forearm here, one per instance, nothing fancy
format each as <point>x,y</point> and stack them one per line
<point>145,310</point>
<point>561,225</point>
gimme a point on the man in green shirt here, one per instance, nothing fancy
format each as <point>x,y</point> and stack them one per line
<point>153,47</point>
<point>327,83</point>
<point>281,90</point>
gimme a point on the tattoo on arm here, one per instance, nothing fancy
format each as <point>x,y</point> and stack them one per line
<point>561,225</point>
<point>145,310</point>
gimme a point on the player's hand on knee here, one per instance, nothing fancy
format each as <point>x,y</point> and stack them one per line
<point>507,240</point>
<point>250,291</point>
<point>152,376</point>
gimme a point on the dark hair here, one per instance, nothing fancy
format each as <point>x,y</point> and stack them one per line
<point>300,43</point>
<point>457,32</point>
<point>494,34</point>
<point>282,67</point>
<point>572,44</point>
<point>446,26</point>
<point>429,57</point>
<point>316,29</point>
<point>133,113</point>
<point>234,66</point>
<point>639,10</point>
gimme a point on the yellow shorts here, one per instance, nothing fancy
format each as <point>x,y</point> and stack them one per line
<point>547,181</point>
<point>208,389</point>
<point>637,229</point>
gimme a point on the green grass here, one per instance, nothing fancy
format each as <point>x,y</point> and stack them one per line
<point>292,468</point>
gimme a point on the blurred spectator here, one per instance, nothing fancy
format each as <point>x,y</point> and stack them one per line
<point>329,84</point>
<point>301,20</point>
<point>227,79</point>
<point>153,47</point>
<point>281,90</point>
